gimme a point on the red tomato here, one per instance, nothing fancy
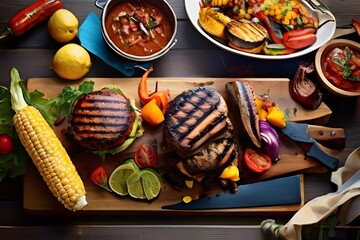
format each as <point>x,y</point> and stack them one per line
<point>300,42</point>
<point>145,156</point>
<point>100,177</point>
<point>6,143</point>
<point>256,162</point>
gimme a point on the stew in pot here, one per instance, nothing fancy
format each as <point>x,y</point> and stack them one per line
<point>138,28</point>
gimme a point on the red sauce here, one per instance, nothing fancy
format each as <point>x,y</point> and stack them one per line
<point>136,29</point>
<point>334,71</point>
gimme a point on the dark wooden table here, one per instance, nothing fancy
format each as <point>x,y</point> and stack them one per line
<point>192,56</point>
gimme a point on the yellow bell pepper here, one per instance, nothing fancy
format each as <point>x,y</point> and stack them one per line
<point>231,172</point>
<point>152,113</point>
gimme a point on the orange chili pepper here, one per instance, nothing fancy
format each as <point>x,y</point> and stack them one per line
<point>162,97</point>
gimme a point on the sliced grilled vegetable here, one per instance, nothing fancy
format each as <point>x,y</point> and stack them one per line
<point>303,90</point>
<point>46,150</point>
<point>213,22</point>
<point>256,161</point>
<point>269,140</point>
<point>243,95</point>
<point>277,49</point>
<point>30,16</point>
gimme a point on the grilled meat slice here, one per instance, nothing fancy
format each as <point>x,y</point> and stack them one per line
<point>101,120</point>
<point>194,117</point>
<point>243,95</point>
<point>213,158</point>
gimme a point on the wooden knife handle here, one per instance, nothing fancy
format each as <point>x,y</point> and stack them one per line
<point>328,136</point>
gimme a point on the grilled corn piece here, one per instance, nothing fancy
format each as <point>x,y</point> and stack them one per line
<point>46,150</point>
<point>213,22</point>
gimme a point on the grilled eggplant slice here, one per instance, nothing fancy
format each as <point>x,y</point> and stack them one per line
<point>213,22</point>
<point>243,95</point>
<point>245,34</point>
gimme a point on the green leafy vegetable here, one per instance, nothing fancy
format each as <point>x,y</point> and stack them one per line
<point>344,64</point>
<point>13,163</point>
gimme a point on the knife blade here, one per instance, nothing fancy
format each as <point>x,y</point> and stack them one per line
<point>298,132</point>
<point>279,191</point>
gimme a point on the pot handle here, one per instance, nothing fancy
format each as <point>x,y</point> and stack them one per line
<point>101,3</point>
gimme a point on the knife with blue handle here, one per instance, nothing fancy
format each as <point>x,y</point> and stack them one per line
<point>299,133</point>
<point>279,191</point>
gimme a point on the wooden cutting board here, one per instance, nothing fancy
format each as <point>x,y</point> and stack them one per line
<point>38,199</point>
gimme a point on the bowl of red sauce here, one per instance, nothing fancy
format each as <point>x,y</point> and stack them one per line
<point>139,30</point>
<point>338,67</point>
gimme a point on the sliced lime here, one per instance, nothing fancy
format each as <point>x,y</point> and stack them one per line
<point>134,186</point>
<point>117,179</point>
<point>151,182</point>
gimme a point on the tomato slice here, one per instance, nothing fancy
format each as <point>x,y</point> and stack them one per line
<point>256,162</point>
<point>6,143</point>
<point>145,156</point>
<point>302,41</point>
<point>100,178</point>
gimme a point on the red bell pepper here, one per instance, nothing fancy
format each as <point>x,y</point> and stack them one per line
<point>162,97</point>
<point>30,16</point>
<point>266,20</point>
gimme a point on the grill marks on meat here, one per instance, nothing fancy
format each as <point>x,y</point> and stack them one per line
<point>194,117</point>
<point>101,120</point>
<point>214,157</point>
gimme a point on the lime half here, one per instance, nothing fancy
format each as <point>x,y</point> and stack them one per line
<point>117,179</point>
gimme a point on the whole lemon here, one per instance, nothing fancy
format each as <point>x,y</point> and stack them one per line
<point>71,62</point>
<point>63,26</point>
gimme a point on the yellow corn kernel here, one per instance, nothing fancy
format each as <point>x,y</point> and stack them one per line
<point>285,22</point>
<point>266,12</point>
<point>247,16</point>
<point>225,2</point>
<point>272,12</point>
<point>278,17</point>
<point>50,158</point>
<point>242,12</point>
<point>249,11</point>
<point>278,12</point>
<point>293,14</point>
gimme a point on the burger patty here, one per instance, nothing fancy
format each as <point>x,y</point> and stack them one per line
<point>194,117</point>
<point>101,120</point>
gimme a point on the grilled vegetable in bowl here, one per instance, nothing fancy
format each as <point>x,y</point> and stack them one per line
<point>278,17</point>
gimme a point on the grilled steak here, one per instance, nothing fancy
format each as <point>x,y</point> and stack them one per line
<point>212,158</point>
<point>101,120</point>
<point>193,118</point>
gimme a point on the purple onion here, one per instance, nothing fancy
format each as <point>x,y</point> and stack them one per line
<point>270,140</point>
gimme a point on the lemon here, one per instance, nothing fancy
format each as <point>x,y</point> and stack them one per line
<point>63,26</point>
<point>117,179</point>
<point>71,62</point>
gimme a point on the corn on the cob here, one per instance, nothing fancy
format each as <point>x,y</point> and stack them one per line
<point>46,150</point>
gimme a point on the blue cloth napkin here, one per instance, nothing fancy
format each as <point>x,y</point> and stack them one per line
<point>91,38</point>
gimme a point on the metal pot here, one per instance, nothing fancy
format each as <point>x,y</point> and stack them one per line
<point>166,9</point>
